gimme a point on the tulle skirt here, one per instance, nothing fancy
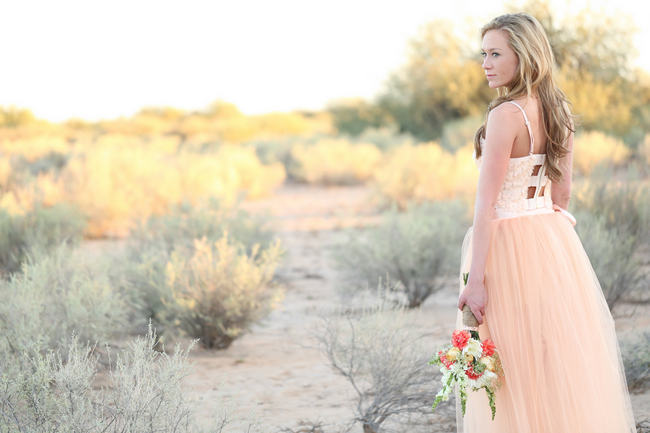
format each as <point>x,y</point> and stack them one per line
<point>555,335</point>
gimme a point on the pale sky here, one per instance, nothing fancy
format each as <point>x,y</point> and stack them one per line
<point>102,59</point>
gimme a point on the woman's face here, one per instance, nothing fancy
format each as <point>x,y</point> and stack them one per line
<point>499,60</point>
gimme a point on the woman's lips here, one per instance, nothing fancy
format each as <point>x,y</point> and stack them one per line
<point>489,76</point>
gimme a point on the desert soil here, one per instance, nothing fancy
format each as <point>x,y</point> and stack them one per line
<point>274,374</point>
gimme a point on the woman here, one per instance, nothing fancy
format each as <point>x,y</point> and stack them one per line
<point>531,286</point>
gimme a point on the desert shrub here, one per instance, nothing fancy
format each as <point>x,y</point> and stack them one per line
<point>139,276</point>
<point>621,199</point>
<point>277,150</point>
<point>6,172</point>
<point>417,248</point>
<point>617,224</point>
<point>383,355</point>
<point>41,228</point>
<point>425,172</point>
<point>354,115</point>
<point>457,133</point>
<point>217,290</point>
<point>25,192</point>
<point>162,269</point>
<point>55,294</point>
<point>185,222</point>
<point>51,162</point>
<point>644,150</point>
<point>45,393</point>
<point>593,148</point>
<point>334,161</point>
<point>635,350</point>
<point>140,272</point>
<point>32,148</point>
<point>611,251</point>
<point>386,137</point>
<point>114,184</point>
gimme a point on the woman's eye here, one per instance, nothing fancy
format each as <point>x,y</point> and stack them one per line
<point>495,54</point>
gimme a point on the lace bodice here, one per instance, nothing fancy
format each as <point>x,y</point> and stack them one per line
<point>513,197</point>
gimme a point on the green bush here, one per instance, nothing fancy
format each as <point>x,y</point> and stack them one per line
<point>53,162</point>
<point>611,251</point>
<point>614,225</point>
<point>159,274</point>
<point>44,393</point>
<point>416,248</point>
<point>635,350</point>
<point>55,295</point>
<point>457,133</point>
<point>185,222</point>
<point>217,290</point>
<point>42,228</point>
<point>386,137</point>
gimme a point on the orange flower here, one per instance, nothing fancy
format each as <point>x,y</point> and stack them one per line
<point>460,338</point>
<point>488,347</point>
<point>443,358</point>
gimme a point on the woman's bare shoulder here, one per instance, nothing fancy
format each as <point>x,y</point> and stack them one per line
<point>503,115</point>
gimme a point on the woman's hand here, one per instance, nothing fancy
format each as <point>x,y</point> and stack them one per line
<point>475,295</point>
<point>566,213</point>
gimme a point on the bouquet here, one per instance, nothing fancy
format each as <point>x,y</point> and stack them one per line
<point>468,362</point>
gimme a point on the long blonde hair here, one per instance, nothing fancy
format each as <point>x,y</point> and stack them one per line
<point>527,38</point>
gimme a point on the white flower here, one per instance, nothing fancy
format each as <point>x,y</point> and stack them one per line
<point>473,348</point>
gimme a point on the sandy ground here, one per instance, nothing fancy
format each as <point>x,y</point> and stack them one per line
<point>274,374</point>
<point>269,373</point>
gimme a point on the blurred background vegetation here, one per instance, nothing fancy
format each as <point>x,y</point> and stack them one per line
<point>169,181</point>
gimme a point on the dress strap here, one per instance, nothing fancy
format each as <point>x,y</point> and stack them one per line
<point>532,139</point>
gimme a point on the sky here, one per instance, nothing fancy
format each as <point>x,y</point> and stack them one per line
<point>103,59</point>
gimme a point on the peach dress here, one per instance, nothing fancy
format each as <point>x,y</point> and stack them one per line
<point>548,318</point>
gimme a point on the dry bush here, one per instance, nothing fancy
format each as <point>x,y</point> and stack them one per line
<point>593,148</point>
<point>140,271</point>
<point>42,228</point>
<point>416,249</point>
<point>185,222</point>
<point>456,134</point>
<point>382,354</point>
<point>635,350</point>
<point>614,226</point>
<point>217,290</point>
<point>114,186</point>
<point>34,147</point>
<point>611,252</point>
<point>426,172</point>
<point>386,137</point>
<point>334,161</point>
<point>644,150</point>
<point>118,178</point>
<point>55,295</point>
<point>57,392</point>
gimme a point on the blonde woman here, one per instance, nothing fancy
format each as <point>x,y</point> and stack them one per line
<point>531,286</point>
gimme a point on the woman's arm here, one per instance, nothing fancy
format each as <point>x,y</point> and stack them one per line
<point>561,191</point>
<point>501,131</point>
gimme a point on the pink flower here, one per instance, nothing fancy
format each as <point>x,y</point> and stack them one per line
<point>460,338</point>
<point>471,373</point>
<point>443,358</point>
<point>488,347</point>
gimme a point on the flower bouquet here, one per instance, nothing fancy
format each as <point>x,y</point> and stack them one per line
<point>468,362</point>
